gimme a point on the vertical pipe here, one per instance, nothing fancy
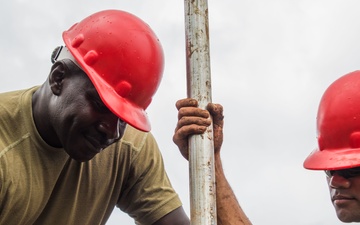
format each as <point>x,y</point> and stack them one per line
<point>201,147</point>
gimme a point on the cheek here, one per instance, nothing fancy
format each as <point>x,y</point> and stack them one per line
<point>78,115</point>
<point>72,124</point>
<point>355,186</point>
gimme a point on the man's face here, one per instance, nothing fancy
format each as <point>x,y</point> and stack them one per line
<point>344,186</point>
<point>82,122</point>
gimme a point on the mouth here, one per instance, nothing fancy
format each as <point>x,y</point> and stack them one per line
<point>341,200</point>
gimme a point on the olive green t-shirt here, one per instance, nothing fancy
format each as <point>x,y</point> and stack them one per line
<point>40,184</point>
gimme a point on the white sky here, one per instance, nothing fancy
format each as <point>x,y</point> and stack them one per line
<point>270,60</point>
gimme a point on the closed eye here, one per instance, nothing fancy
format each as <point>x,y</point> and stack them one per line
<point>96,102</point>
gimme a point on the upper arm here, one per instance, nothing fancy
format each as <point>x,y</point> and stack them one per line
<point>147,195</point>
<point>176,217</point>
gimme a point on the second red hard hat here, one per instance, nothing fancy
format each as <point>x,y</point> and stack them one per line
<point>338,126</point>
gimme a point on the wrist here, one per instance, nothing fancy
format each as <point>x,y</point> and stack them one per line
<point>218,164</point>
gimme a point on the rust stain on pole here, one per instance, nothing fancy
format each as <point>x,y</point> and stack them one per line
<point>201,155</point>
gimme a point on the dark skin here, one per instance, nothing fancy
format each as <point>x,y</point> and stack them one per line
<point>69,114</point>
<point>176,217</point>
<point>345,197</point>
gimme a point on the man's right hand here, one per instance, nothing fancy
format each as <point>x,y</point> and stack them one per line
<point>193,120</point>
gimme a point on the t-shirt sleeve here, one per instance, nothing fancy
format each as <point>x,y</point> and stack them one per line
<point>148,195</point>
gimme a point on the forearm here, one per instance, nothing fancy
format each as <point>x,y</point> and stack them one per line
<point>228,209</point>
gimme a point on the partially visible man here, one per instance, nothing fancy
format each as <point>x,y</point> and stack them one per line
<point>78,145</point>
<point>338,151</point>
<point>193,120</point>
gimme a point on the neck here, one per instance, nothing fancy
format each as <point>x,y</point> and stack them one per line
<point>42,118</point>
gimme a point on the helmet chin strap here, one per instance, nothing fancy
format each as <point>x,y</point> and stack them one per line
<point>64,53</point>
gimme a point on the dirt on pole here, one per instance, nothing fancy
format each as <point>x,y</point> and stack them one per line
<point>201,155</point>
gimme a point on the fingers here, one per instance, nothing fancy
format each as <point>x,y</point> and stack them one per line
<point>188,108</point>
<point>194,121</point>
<point>187,126</point>
<point>182,145</point>
<point>189,113</point>
<point>182,132</point>
<point>186,102</point>
<point>216,111</point>
<point>191,120</point>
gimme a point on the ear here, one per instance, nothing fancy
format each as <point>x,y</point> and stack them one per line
<point>57,76</point>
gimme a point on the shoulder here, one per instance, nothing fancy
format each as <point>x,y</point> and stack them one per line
<point>137,139</point>
<point>15,109</point>
<point>7,96</point>
<point>11,102</point>
<point>133,148</point>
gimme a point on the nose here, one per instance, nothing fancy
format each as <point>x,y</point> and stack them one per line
<point>110,126</point>
<point>338,182</point>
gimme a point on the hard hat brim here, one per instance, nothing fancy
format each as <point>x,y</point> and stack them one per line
<point>121,107</point>
<point>334,159</point>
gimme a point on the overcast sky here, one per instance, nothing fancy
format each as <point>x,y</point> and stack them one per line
<point>271,61</point>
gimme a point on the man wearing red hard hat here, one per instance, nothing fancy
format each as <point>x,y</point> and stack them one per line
<point>78,145</point>
<point>338,151</point>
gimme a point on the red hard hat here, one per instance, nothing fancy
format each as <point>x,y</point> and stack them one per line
<point>338,126</point>
<point>124,60</point>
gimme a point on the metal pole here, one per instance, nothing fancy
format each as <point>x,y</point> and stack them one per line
<point>201,147</point>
